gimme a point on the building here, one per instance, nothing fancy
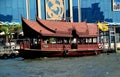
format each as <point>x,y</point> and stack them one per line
<point>90,11</point>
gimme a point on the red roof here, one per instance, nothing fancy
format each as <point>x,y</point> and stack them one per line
<point>93,29</point>
<point>37,27</point>
<point>62,29</point>
<point>64,26</point>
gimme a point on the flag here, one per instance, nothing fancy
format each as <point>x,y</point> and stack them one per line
<point>103,26</point>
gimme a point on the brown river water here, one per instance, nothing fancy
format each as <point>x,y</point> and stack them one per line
<point>102,65</point>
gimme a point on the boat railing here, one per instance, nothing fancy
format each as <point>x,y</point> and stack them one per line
<point>49,46</point>
<point>88,46</point>
<point>56,46</point>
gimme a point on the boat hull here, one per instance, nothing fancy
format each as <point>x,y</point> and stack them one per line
<point>42,53</point>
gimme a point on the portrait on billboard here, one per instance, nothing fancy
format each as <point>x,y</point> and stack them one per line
<point>116,5</point>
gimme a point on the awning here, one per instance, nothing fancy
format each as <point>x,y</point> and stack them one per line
<point>113,24</point>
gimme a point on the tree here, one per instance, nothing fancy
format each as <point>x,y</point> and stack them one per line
<point>4,28</point>
<point>9,29</point>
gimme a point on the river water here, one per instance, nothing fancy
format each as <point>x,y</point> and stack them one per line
<point>102,65</point>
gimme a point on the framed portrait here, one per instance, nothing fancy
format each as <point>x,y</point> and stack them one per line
<point>116,5</point>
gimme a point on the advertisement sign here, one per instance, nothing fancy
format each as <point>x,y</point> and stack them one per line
<point>54,9</point>
<point>116,5</point>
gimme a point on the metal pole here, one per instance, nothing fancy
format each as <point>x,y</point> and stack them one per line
<point>115,46</point>
<point>64,10</point>
<point>38,3</point>
<point>109,39</point>
<point>79,11</point>
<point>27,9</point>
<point>71,10</point>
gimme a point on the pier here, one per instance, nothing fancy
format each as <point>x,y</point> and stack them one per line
<point>8,52</point>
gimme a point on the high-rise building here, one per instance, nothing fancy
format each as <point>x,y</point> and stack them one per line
<point>77,10</point>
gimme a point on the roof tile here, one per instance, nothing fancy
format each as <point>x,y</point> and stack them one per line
<point>62,28</point>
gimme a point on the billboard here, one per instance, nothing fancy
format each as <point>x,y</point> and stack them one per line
<point>54,9</point>
<point>116,5</point>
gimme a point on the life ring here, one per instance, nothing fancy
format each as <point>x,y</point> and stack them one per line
<point>66,52</point>
<point>13,47</point>
<point>100,45</point>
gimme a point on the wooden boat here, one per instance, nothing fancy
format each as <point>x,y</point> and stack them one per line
<point>45,38</point>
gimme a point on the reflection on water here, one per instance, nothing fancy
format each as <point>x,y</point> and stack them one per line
<point>91,66</point>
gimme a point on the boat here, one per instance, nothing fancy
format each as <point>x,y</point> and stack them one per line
<point>47,38</point>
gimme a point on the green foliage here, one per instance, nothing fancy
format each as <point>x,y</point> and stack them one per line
<point>4,28</point>
<point>52,40</point>
<point>10,29</point>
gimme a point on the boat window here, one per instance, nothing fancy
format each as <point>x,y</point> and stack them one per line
<point>89,40</point>
<point>39,41</point>
<point>82,40</point>
<point>59,41</point>
<point>85,40</point>
<point>46,41</point>
<point>94,40</point>
<point>79,41</point>
<point>66,41</point>
<point>53,40</point>
<point>34,41</point>
<point>74,40</point>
